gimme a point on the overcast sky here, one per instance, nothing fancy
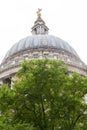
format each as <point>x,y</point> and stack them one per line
<point>66,19</point>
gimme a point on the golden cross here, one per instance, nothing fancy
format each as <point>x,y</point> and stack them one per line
<point>39,12</point>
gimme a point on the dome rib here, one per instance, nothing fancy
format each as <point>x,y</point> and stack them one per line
<point>40,41</point>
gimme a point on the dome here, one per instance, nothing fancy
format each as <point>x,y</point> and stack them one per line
<point>40,41</point>
<point>39,46</point>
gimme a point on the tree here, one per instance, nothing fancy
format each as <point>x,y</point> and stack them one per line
<point>46,97</point>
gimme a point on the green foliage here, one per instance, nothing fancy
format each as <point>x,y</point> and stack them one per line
<point>19,126</point>
<point>44,97</point>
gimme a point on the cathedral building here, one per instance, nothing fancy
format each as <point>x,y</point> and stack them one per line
<point>39,46</point>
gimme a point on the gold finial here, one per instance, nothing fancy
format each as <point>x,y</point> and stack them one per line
<point>39,12</point>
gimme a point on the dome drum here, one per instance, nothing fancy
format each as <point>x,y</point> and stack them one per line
<point>12,64</point>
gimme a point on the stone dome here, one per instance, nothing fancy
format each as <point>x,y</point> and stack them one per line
<point>40,41</point>
<point>39,46</point>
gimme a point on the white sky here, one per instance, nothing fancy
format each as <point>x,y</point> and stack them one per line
<point>66,19</point>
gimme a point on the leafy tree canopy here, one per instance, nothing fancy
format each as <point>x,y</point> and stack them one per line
<point>44,97</point>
